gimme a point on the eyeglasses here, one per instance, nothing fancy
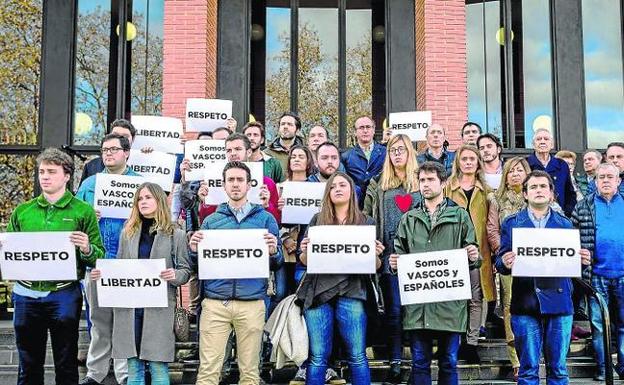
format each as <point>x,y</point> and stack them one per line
<point>364,127</point>
<point>398,150</point>
<point>112,150</point>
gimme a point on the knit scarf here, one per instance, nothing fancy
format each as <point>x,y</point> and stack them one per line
<point>510,203</point>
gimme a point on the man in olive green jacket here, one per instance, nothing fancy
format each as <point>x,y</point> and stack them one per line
<point>435,224</point>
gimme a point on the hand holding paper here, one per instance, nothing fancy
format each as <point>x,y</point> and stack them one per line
<point>81,240</point>
<point>271,242</point>
<point>585,257</point>
<point>168,274</point>
<point>473,252</point>
<point>195,239</point>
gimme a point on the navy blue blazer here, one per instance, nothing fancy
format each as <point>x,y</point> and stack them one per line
<point>560,172</point>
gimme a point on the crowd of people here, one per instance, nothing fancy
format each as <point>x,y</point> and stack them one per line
<point>437,200</point>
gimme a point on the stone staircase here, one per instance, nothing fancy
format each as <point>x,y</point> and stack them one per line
<point>494,369</point>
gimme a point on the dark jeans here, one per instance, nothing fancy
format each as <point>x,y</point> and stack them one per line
<point>550,333</point>
<point>350,319</point>
<point>612,292</point>
<point>422,351</point>
<point>390,289</point>
<point>58,312</point>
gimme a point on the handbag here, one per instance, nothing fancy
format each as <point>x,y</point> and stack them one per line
<point>181,323</point>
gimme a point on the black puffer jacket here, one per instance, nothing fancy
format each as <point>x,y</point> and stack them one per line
<point>584,219</point>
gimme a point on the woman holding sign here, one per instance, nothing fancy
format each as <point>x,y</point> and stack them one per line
<point>338,299</point>
<point>145,336</point>
<point>390,195</point>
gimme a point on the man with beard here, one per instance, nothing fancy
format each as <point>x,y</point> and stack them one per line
<point>289,127</point>
<point>490,149</point>
<point>272,168</point>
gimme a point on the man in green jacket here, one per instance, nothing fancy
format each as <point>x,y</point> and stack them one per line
<point>435,224</point>
<point>53,305</point>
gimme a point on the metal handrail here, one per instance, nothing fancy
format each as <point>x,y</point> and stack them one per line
<point>606,327</point>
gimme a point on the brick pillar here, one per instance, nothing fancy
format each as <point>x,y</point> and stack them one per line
<point>441,84</point>
<point>190,53</point>
<point>190,59</point>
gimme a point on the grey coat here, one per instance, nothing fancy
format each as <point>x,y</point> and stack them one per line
<point>158,340</point>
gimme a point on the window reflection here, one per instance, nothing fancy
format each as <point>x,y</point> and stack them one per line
<point>604,91</point>
<point>533,79</point>
<point>359,62</point>
<point>91,76</point>
<point>147,57</point>
<point>277,96</point>
<point>20,61</point>
<point>318,66</point>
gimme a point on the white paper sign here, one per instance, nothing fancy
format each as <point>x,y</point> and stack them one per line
<point>493,180</point>
<point>214,177</point>
<point>546,252</point>
<point>341,250</point>
<point>38,256</point>
<point>159,132</point>
<point>156,167</point>
<point>205,115</point>
<point>435,276</point>
<point>301,201</point>
<point>201,154</point>
<point>413,124</point>
<point>233,254</point>
<point>131,283</point>
<point>114,194</point>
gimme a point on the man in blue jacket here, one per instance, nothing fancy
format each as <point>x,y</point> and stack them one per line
<point>615,156</point>
<point>235,303</point>
<point>436,149</point>
<point>364,160</point>
<point>600,221</point>
<point>557,169</point>
<point>541,308</point>
<point>115,150</point>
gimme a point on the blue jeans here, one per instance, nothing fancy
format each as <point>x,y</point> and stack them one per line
<point>350,319</point>
<point>390,289</point>
<point>159,372</point>
<point>612,292</point>
<point>531,333</point>
<point>422,351</point>
<point>58,312</point>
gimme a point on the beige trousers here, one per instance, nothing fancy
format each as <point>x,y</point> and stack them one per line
<point>216,322</point>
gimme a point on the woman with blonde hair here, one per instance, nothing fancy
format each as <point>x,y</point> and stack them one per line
<point>390,195</point>
<point>336,299</point>
<point>507,200</point>
<point>467,188</point>
<point>145,336</point>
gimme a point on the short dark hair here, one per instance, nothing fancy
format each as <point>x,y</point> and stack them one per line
<point>327,144</point>
<point>218,129</point>
<point>57,157</point>
<point>471,124</point>
<point>123,141</point>
<point>491,137</point>
<point>538,174</point>
<point>436,167</point>
<point>239,165</point>
<point>254,124</point>
<point>204,133</point>
<point>615,144</point>
<point>124,123</point>
<point>292,115</point>
<point>239,136</point>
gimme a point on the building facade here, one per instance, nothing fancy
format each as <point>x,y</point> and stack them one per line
<point>505,64</point>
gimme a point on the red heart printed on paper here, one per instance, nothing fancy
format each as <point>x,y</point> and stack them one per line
<point>403,202</point>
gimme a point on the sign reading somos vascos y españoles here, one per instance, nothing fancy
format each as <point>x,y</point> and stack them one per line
<point>131,283</point>
<point>38,256</point>
<point>414,124</point>
<point>114,194</point>
<point>161,133</point>
<point>435,276</point>
<point>233,254</point>
<point>201,154</point>
<point>546,252</point>
<point>341,249</point>
<point>204,115</point>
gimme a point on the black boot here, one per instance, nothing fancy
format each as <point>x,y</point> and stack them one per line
<point>394,374</point>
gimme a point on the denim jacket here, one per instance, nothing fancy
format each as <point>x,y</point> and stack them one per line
<point>535,296</point>
<point>110,228</point>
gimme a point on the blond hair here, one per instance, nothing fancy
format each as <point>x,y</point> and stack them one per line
<point>162,216</point>
<point>565,154</point>
<point>389,178</point>
<point>511,163</point>
<point>479,175</point>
